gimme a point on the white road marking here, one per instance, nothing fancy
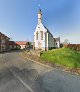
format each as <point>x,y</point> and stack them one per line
<point>25,84</point>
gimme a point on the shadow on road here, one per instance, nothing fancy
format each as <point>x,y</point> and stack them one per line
<point>52,81</point>
<point>29,77</point>
<point>58,81</point>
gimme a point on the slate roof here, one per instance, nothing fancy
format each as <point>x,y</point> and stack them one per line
<point>57,39</point>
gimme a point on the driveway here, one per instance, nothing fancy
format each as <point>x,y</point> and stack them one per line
<point>20,75</point>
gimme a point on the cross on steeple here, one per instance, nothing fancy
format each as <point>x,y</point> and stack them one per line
<point>39,6</point>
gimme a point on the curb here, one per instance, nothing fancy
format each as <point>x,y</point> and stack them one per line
<point>50,66</point>
<point>38,62</point>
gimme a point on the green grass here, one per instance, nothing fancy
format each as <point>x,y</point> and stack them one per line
<point>63,56</point>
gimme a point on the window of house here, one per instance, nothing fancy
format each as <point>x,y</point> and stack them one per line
<point>37,35</point>
<point>41,35</point>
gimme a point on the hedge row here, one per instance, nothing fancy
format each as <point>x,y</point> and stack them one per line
<point>73,46</point>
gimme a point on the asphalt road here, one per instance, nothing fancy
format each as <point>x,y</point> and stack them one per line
<point>20,75</point>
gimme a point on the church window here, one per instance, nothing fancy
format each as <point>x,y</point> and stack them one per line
<point>37,35</point>
<point>41,35</point>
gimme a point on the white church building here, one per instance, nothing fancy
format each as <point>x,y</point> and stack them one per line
<point>43,39</point>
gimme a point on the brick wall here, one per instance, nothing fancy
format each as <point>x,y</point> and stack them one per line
<point>73,46</point>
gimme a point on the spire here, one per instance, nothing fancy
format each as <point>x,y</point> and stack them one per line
<point>39,12</point>
<point>39,15</point>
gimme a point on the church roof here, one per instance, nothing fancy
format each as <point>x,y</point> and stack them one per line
<point>57,39</point>
<point>48,30</point>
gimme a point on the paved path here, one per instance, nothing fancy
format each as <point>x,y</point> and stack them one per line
<point>20,75</point>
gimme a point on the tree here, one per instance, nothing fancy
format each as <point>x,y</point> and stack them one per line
<point>66,41</point>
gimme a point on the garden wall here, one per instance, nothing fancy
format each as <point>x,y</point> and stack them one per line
<point>73,46</point>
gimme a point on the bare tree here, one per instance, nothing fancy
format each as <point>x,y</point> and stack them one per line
<point>66,41</point>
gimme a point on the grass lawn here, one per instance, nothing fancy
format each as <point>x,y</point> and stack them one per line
<point>63,56</point>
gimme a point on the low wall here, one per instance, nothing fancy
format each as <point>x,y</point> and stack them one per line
<point>73,46</point>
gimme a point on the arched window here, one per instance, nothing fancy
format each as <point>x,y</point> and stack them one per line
<point>41,35</point>
<point>37,35</point>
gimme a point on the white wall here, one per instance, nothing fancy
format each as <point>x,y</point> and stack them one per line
<point>39,28</point>
<point>22,46</point>
<point>47,41</point>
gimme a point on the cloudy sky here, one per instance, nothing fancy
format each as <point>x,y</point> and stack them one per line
<point>18,18</point>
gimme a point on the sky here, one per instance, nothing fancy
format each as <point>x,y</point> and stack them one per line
<point>18,18</point>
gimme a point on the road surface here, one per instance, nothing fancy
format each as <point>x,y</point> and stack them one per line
<point>20,75</point>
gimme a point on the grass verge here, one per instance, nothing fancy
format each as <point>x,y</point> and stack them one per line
<point>63,56</point>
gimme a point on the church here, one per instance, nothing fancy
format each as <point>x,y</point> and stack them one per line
<point>43,39</point>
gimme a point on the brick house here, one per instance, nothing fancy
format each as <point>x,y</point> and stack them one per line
<point>4,42</point>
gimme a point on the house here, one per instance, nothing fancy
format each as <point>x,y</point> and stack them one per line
<point>57,42</point>
<point>13,45</point>
<point>4,42</point>
<point>43,39</point>
<point>22,44</point>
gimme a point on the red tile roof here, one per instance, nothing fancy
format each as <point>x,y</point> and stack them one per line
<point>21,42</point>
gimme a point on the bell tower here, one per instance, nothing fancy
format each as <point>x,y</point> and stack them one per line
<point>39,16</point>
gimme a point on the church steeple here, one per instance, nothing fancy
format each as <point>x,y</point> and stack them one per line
<point>39,16</point>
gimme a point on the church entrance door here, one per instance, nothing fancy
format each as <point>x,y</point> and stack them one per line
<point>40,45</point>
